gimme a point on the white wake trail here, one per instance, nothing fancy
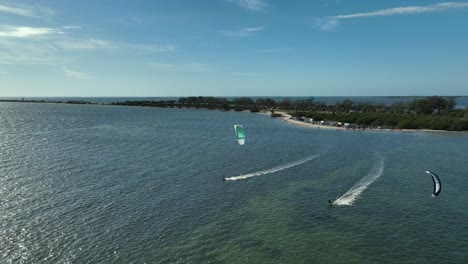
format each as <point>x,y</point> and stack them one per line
<point>273,170</point>
<point>352,194</point>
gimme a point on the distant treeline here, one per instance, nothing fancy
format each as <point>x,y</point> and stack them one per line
<point>46,101</point>
<point>237,104</point>
<point>434,112</point>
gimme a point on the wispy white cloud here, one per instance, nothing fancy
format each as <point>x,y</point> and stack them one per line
<point>196,68</point>
<point>60,49</point>
<point>83,44</point>
<point>25,32</point>
<point>406,10</point>
<point>91,44</point>
<point>76,74</point>
<point>251,5</point>
<point>190,67</point>
<point>72,27</point>
<point>242,32</point>
<point>131,20</point>
<point>29,45</point>
<point>29,51</point>
<point>272,50</point>
<point>254,29</point>
<point>55,46</point>
<point>326,24</point>
<point>332,23</point>
<point>146,47</point>
<point>246,74</point>
<point>16,11</point>
<point>30,59</point>
<point>35,11</point>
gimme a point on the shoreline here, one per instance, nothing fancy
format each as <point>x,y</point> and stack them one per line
<point>287,119</point>
<point>284,117</point>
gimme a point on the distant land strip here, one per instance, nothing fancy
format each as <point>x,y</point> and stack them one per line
<point>433,113</point>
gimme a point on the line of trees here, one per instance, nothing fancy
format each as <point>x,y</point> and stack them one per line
<point>435,112</point>
<point>429,113</point>
<point>208,102</point>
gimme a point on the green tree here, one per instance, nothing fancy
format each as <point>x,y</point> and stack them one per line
<point>434,104</point>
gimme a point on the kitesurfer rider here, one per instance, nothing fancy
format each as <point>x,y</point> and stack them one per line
<point>224,178</point>
<point>330,202</point>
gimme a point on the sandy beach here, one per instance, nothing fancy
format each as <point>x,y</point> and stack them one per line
<point>287,118</point>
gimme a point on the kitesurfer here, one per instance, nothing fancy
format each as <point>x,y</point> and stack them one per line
<point>330,202</point>
<point>224,178</point>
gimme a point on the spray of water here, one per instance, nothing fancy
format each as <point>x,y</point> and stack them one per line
<point>273,170</point>
<point>352,194</point>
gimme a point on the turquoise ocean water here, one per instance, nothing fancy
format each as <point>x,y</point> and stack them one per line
<point>105,184</point>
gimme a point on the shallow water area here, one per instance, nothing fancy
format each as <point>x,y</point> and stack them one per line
<point>109,184</point>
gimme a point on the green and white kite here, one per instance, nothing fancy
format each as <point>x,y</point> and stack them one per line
<point>240,134</point>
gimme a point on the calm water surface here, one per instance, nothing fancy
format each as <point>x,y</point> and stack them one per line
<point>461,102</point>
<point>103,184</point>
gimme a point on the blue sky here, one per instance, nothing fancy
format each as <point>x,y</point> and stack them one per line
<point>233,48</point>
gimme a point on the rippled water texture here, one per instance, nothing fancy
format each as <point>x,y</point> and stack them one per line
<point>104,184</point>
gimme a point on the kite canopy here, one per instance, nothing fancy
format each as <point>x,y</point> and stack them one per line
<point>239,129</point>
<point>437,184</point>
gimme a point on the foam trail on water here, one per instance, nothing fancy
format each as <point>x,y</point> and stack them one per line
<point>273,170</point>
<point>352,194</point>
